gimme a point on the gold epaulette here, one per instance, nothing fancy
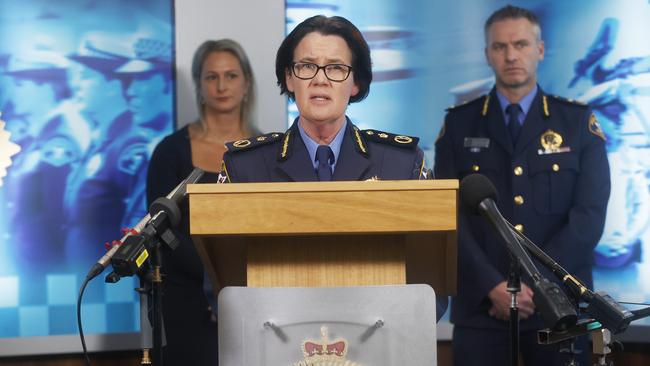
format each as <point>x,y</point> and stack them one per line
<point>247,144</point>
<point>391,139</point>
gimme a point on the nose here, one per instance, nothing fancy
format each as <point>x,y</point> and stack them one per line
<point>320,77</point>
<point>221,84</point>
<point>511,54</point>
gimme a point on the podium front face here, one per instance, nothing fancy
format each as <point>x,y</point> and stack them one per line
<point>327,234</point>
<point>351,326</point>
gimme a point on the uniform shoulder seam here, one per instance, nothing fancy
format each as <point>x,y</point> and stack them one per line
<point>253,142</point>
<point>403,141</point>
<point>464,104</point>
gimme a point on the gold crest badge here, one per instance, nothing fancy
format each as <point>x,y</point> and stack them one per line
<point>551,140</point>
<point>325,352</point>
<point>594,127</point>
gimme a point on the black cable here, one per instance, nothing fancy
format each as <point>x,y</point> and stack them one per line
<point>81,331</point>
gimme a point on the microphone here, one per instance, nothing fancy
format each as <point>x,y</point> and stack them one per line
<point>174,196</point>
<point>478,195</point>
<point>602,307</point>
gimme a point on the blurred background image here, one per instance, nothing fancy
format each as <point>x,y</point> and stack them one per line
<point>86,93</point>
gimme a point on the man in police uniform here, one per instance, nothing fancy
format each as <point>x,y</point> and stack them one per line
<point>546,156</point>
<point>324,64</point>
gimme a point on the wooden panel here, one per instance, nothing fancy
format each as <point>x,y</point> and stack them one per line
<point>322,212</point>
<point>327,233</point>
<point>335,186</point>
<point>326,261</point>
<point>224,259</point>
<point>431,259</point>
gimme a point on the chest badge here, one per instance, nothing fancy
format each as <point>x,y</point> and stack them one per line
<point>552,143</point>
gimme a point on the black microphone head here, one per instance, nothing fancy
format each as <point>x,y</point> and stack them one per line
<point>474,188</point>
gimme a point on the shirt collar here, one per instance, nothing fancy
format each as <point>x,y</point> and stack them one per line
<point>525,104</point>
<point>312,145</point>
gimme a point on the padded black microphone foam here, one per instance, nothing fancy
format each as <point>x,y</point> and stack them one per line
<point>474,188</point>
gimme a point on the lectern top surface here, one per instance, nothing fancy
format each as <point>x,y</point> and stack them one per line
<point>377,185</point>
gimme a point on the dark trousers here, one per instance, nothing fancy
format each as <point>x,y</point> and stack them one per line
<point>491,347</point>
<point>191,335</point>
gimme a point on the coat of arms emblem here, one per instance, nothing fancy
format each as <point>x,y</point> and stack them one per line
<point>325,352</point>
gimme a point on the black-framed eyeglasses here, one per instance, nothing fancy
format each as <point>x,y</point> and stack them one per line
<point>333,72</point>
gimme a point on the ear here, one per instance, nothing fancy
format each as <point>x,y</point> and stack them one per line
<point>541,49</point>
<point>288,79</point>
<point>355,90</point>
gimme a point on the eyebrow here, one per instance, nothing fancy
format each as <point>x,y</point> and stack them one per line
<point>216,72</point>
<point>328,61</point>
<point>513,42</point>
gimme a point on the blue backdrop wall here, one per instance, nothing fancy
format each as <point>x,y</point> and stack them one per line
<point>86,91</point>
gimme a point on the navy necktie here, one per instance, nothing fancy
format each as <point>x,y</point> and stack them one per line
<point>323,156</point>
<point>514,127</point>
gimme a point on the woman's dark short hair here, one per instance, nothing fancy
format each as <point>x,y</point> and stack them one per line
<point>328,26</point>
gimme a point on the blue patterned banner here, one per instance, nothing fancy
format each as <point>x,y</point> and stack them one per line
<point>86,91</point>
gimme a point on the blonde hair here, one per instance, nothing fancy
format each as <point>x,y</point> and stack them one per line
<point>234,48</point>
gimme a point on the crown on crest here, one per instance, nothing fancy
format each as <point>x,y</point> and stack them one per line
<point>325,351</point>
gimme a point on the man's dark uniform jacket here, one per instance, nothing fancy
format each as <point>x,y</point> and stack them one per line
<point>553,185</point>
<point>364,154</point>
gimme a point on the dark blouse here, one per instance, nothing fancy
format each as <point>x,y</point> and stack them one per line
<point>171,162</point>
<point>190,333</point>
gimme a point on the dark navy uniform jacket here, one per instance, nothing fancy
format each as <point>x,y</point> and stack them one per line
<point>553,185</point>
<point>367,154</point>
<point>283,157</point>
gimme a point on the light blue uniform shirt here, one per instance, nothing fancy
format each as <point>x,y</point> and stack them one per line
<point>312,145</point>
<point>524,103</point>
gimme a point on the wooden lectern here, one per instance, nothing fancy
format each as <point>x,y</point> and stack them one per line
<point>326,234</point>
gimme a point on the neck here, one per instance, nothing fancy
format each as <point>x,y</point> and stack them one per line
<point>515,94</point>
<point>322,133</point>
<point>222,127</point>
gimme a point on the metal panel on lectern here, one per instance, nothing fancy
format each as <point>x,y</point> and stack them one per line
<point>337,326</point>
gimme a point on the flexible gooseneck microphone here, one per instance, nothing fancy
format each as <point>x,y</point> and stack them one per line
<point>168,202</point>
<point>479,196</point>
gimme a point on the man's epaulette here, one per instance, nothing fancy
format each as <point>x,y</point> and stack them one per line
<point>389,138</point>
<point>247,144</point>
<point>481,99</point>
<point>563,100</point>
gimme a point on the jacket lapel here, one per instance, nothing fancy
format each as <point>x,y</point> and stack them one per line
<point>296,164</point>
<point>496,124</point>
<point>534,123</point>
<point>352,164</point>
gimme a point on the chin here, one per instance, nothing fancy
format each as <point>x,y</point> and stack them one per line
<point>515,83</point>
